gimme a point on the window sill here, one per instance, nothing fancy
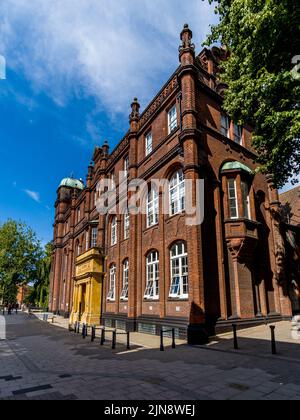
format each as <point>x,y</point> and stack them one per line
<point>241,219</point>
<point>170,217</point>
<point>151,300</point>
<point>151,227</point>
<point>178,299</point>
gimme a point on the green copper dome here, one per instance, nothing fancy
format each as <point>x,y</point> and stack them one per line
<point>229,166</point>
<point>72,183</point>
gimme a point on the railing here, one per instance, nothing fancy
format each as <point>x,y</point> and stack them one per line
<point>83,329</point>
<point>162,332</point>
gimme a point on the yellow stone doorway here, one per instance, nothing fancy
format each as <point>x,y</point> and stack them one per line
<point>87,293</point>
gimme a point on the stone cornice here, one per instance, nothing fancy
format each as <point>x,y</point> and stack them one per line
<point>189,133</point>
<point>232,144</point>
<point>168,89</point>
<point>189,68</point>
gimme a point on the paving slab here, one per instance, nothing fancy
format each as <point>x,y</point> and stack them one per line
<point>40,360</point>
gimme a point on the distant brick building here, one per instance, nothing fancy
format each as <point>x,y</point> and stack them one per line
<point>23,292</point>
<point>145,272</point>
<point>290,201</point>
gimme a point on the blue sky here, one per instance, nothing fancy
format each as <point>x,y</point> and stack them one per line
<point>73,68</point>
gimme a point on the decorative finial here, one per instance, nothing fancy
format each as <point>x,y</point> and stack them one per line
<point>135,114</point>
<point>105,148</point>
<point>186,37</point>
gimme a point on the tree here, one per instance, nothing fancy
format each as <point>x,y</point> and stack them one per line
<point>263,38</point>
<point>39,294</point>
<point>20,253</point>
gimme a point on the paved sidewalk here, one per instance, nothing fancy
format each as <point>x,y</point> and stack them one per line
<point>44,361</point>
<point>136,339</point>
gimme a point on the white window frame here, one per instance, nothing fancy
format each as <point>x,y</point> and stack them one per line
<point>148,144</point>
<point>126,166</point>
<point>225,128</point>
<point>172,119</point>
<point>246,200</point>
<point>125,280</point>
<point>87,240</point>
<point>94,237</point>
<point>232,198</point>
<point>177,193</point>
<point>152,210</point>
<point>114,231</point>
<point>126,225</point>
<point>237,133</point>
<point>112,283</point>
<point>152,276</point>
<point>113,181</point>
<point>78,214</point>
<point>179,272</point>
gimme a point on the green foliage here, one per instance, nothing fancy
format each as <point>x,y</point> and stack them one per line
<point>39,295</point>
<point>263,38</point>
<point>20,252</point>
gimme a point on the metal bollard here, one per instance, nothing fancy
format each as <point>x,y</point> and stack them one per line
<point>102,337</point>
<point>128,340</point>
<point>173,339</point>
<point>93,336</point>
<point>84,331</point>
<point>162,348</point>
<point>114,340</point>
<point>235,338</point>
<point>274,350</point>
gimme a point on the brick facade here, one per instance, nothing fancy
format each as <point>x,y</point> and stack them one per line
<point>231,260</point>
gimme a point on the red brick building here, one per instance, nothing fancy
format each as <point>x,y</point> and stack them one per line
<point>158,270</point>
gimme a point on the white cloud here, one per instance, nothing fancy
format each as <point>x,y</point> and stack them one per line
<point>33,195</point>
<point>113,50</point>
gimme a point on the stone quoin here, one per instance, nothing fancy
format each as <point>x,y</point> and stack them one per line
<point>150,271</point>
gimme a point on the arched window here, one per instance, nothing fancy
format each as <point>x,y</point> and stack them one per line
<point>87,240</point>
<point>126,225</point>
<point>152,273</point>
<point>124,294</point>
<point>177,193</point>
<point>114,231</point>
<point>112,283</point>
<point>152,207</point>
<point>179,271</point>
<point>94,237</point>
<point>78,249</point>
